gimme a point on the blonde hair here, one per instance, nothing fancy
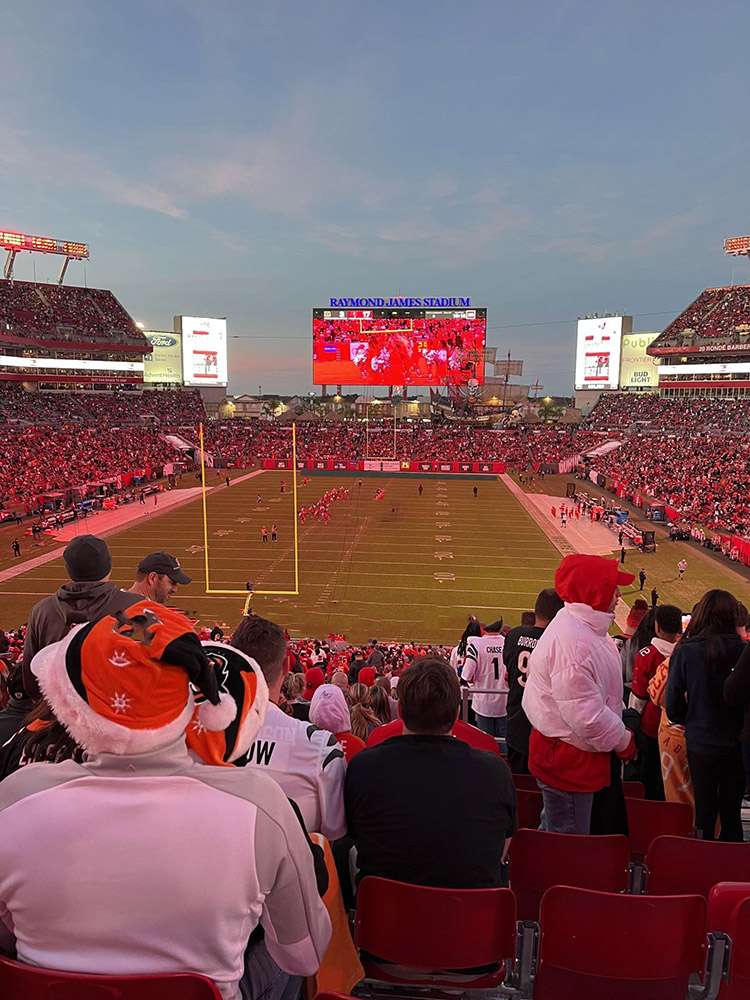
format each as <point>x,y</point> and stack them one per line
<point>363,717</point>
<point>293,686</point>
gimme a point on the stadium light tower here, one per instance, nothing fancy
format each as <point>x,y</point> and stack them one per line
<point>16,243</point>
<point>737,246</point>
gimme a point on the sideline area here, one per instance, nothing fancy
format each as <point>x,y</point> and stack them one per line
<point>105,523</point>
<point>584,536</point>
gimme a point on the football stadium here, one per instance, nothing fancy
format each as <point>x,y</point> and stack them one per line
<point>423,683</point>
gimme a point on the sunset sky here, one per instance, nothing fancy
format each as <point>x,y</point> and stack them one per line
<point>251,159</point>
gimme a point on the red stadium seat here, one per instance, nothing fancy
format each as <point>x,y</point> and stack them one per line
<point>429,930</point>
<point>27,982</point>
<point>634,789</point>
<point>525,782</point>
<point>648,820</point>
<point>603,946</point>
<point>540,860</point>
<point>682,864</point>
<point>529,808</point>
<point>729,913</point>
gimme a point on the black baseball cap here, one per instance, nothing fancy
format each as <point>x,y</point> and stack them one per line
<point>87,558</point>
<point>164,564</point>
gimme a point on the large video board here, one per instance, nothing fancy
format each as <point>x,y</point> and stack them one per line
<point>398,346</point>
<point>598,352</point>
<point>163,365</point>
<point>204,350</point>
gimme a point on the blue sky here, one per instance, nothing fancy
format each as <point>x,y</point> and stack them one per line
<point>251,159</point>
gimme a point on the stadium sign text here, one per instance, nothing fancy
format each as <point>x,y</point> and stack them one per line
<point>399,302</point>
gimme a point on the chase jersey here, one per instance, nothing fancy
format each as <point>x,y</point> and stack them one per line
<point>485,669</point>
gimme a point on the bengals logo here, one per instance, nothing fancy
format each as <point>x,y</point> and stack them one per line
<point>220,665</point>
<point>139,628</point>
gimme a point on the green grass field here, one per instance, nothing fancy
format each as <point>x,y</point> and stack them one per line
<point>413,574</point>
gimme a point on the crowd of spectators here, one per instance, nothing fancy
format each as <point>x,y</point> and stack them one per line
<point>42,459</point>
<point>623,412</point>
<point>705,477</point>
<point>244,442</point>
<point>716,313</point>
<point>165,407</point>
<point>41,312</point>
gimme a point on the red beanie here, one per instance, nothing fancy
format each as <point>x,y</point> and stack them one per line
<point>313,678</point>
<point>589,580</point>
<point>367,676</point>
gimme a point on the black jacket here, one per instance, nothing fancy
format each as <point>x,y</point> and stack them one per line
<point>737,688</point>
<point>698,670</point>
<point>430,810</point>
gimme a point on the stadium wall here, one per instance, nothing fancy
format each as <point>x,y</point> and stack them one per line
<point>386,465</point>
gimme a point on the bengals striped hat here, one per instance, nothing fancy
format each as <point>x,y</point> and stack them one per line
<point>240,677</point>
<point>128,683</point>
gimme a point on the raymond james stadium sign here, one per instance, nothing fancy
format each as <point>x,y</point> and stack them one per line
<point>400,302</point>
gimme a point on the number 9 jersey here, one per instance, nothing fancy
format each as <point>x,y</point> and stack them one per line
<point>519,645</point>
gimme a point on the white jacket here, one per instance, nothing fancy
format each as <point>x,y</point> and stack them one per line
<point>155,863</point>
<point>573,688</point>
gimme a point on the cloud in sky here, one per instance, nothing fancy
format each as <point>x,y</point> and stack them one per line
<point>69,168</point>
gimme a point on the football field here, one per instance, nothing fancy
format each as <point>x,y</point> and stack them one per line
<point>404,567</point>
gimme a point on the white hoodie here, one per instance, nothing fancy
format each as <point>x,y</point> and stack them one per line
<point>573,688</point>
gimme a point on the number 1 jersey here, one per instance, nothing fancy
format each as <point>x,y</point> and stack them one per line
<point>484,667</point>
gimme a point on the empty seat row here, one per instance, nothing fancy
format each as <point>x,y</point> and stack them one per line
<point>672,866</point>
<point>587,945</point>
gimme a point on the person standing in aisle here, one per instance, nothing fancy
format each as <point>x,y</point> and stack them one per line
<point>484,666</point>
<point>699,668</point>
<point>573,695</point>
<point>519,644</point>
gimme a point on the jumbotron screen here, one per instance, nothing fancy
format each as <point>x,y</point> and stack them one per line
<point>398,346</point>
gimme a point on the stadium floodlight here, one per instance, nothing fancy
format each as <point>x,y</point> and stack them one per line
<point>244,593</point>
<point>737,246</point>
<point>16,243</point>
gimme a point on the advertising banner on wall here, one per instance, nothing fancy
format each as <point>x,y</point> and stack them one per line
<point>637,369</point>
<point>164,364</point>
